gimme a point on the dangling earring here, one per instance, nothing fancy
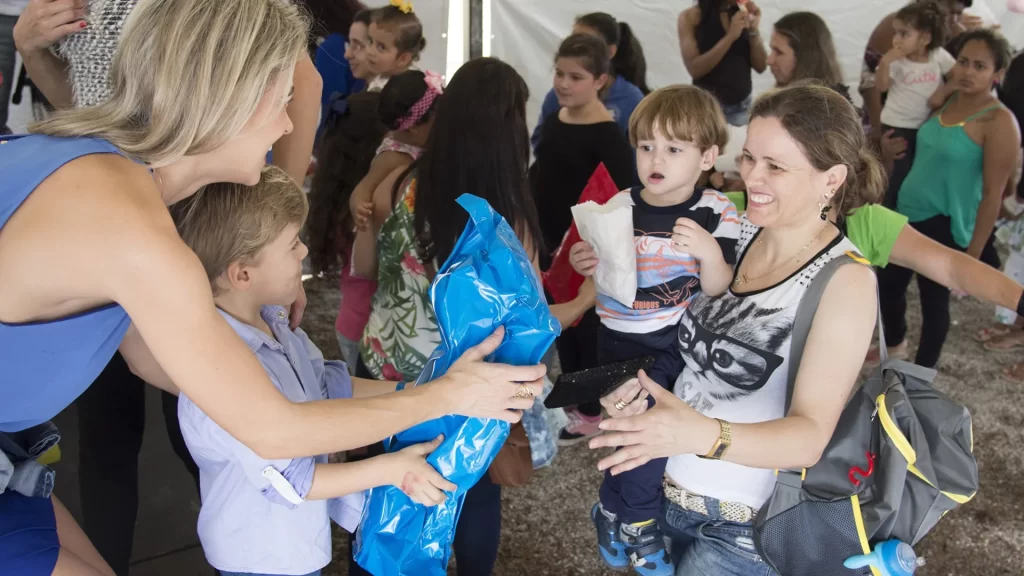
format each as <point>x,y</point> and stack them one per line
<point>824,207</point>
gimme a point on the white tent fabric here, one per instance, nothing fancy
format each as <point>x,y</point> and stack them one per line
<point>527,33</point>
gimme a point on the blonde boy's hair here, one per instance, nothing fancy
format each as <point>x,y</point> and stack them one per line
<point>225,223</point>
<point>683,113</point>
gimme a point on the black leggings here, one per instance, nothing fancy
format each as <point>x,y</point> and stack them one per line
<point>893,282</point>
<point>577,350</point>
<point>111,422</point>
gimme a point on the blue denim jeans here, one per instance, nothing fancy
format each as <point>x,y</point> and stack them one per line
<point>349,352</point>
<point>709,545</point>
<point>738,114</point>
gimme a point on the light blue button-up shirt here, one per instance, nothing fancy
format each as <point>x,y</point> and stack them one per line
<point>247,524</point>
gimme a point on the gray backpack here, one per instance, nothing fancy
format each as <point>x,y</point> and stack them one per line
<point>900,458</point>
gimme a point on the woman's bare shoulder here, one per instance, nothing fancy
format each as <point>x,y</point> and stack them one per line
<point>103,183</point>
<point>94,227</point>
<point>104,204</point>
<point>998,127</point>
<point>690,16</point>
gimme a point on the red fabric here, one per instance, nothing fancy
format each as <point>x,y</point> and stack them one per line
<point>560,280</point>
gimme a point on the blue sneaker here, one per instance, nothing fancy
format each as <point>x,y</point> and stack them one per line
<point>646,549</point>
<point>611,548</point>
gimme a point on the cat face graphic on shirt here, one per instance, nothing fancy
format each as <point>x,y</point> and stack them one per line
<point>730,348</point>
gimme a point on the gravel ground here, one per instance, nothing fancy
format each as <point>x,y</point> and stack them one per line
<point>982,538</point>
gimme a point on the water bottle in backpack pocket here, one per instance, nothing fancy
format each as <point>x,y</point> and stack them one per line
<point>900,458</point>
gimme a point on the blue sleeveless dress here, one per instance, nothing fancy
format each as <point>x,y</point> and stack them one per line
<point>46,365</point>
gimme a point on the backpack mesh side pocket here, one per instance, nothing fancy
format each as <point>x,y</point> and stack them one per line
<point>812,537</point>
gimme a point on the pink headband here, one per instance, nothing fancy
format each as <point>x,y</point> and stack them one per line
<point>435,87</point>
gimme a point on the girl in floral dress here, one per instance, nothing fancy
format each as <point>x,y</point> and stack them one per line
<point>478,144</point>
<point>363,146</point>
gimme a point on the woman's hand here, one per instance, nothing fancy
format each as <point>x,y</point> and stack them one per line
<point>669,428</point>
<point>476,388</point>
<point>971,22</point>
<point>754,16</point>
<point>583,259</point>
<point>627,400</point>
<point>417,479</point>
<point>43,22</point>
<point>740,21</point>
<point>893,148</point>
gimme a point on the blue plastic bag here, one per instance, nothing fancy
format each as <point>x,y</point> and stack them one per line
<point>487,281</point>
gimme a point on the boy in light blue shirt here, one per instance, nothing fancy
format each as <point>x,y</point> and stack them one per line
<point>272,517</point>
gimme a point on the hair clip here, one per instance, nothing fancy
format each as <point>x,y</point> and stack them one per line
<point>404,5</point>
<point>434,81</point>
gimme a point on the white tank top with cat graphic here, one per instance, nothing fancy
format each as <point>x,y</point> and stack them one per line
<point>735,349</point>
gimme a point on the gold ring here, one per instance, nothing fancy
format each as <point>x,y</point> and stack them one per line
<point>620,405</point>
<point>524,391</point>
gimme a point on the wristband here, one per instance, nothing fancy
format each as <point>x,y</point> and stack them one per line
<point>1020,305</point>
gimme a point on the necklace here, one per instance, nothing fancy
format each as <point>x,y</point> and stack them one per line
<point>744,279</point>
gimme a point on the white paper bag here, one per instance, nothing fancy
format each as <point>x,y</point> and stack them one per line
<point>609,229</point>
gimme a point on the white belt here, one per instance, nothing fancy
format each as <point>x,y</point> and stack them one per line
<point>731,511</point>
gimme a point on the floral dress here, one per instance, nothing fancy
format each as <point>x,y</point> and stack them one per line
<point>402,331</point>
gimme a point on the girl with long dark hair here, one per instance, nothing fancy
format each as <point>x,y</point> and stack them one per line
<point>358,156</point>
<point>627,81</point>
<point>478,144</point>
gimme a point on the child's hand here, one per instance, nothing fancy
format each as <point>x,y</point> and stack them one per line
<point>417,479</point>
<point>689,237</point>
<point>893,55</point>
<point>583,259</point>
<point>363,216</point>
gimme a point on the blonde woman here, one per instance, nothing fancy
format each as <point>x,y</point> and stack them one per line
<point>112,414</point>
<point>90,261</point>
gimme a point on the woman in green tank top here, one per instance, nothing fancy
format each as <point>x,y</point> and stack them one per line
<point>965,156</point>
<point>883,237</point>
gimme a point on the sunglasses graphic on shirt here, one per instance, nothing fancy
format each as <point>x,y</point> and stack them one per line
<point>733,362</point>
